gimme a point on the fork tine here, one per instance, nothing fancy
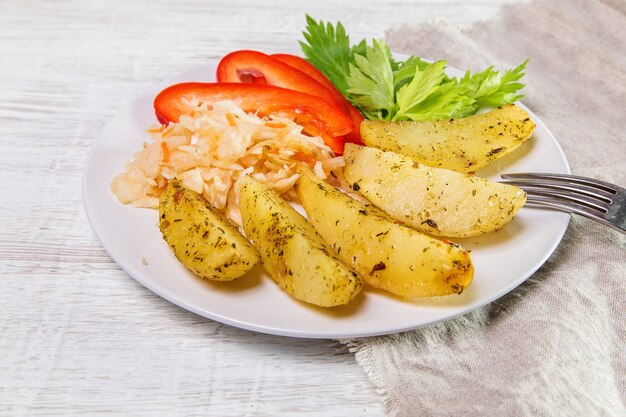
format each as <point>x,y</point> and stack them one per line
<point>563,178</point>
<point>580,189</point>
<point>543,201</point>
<point>598,200</point>
<point>563,206</point>
<point>567,198</point>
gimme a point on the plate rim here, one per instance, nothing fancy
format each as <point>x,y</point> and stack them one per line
<point>283,332</point>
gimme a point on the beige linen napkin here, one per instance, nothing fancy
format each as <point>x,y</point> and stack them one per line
<point>556,345</point>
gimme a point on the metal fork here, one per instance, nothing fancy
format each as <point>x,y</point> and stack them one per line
<point>598,200</point>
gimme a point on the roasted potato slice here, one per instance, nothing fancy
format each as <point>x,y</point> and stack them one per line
<point>434,200</point>
<point>465,145</point>
<point>292,252</point>
<point>201,238</point>
<point>388,255</point>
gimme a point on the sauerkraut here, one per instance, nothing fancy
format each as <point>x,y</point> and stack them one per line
<point>211,149</point>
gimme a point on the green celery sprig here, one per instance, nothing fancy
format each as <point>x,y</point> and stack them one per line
<point>382,88</point>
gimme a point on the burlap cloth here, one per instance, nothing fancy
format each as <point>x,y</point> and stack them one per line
<point>556,345</point>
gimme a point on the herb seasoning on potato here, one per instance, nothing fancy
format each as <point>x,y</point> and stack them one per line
<point>390,256</point>
<point>464,145</point>
<point>202,239</point>
<point>292,252</point>
<point>434,200</point>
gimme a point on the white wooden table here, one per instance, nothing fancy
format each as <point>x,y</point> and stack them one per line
<point>77,335</point>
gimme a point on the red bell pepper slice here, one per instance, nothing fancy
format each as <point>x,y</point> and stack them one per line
<point>240,65</point>
<point>316,116</point>
<point>302,65</point>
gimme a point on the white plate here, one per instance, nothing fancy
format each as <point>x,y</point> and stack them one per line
<point>502,260</point>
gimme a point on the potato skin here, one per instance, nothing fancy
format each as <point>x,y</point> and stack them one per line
<point>433,200</point>
<point>292,252</point>
<point>201,238</point>
<point>388,255</point>
<point>464,145</point>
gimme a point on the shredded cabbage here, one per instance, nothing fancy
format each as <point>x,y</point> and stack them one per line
<point>211,149</point>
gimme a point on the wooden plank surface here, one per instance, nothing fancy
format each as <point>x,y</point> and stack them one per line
<point>77,335</point>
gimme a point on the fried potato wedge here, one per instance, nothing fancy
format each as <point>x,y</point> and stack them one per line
<point>201,238</point>
<point>464,145</point>
<point>388,255</point>
<point>434,200</point>
<point>292,252</point>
